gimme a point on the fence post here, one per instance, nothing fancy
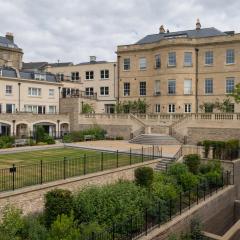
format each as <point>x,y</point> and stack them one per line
<point>93,236</point>
<point>159,214</point>
<point>216,184</point>
<point>204,191</point>
<point>189,199</point>
<point>146,222</point>
<point>130,156</point>
<point>41,171</point>
<point>13,177</point>
<point>170,209</point>
<point>152,151</point>
<point>131,227</point>
<point>117,158</point>
<point>180,203</point>
<point>222,180</point>
<point>113,231</point>
<point>197,193</point>
<point>227,178</point>
<point>101,161</point>
<point>84,163</point>
<point>142,153</point>
<point>161,152</point>
<point>64,168</point>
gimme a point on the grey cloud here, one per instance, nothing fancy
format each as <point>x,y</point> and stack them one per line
<point>49,30</point>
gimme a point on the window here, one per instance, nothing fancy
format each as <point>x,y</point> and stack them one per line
<point>230,57</point>
<point>104,91</point>
<point>60,76</point>
<point>142,63</point>
<point>10,108</point>
<point>142,88</point>
<point>34,109</point>
<point>126,89</point>
<point>52,109</point>
<point>230,85</point>
<point>157,88</point>
<point>172,59</point>
<point>51,92</point>
<point>126,64</point>
<point>157,61</point>
<point>208,86</point>
<point>89,91</point>
<point>187,108</point>
<point>34,92</point>
<point>171,86</point>
<point>0,108</point>
<point>188,59</point>
<point>40,76</point>
<point>187,86</point>
<point>171,108</point>
<point>75,76</point>
<point>8,90</point>
<point>157,108</point>
<point>104,74</point>
<point>209,108</point>
<point>89,75</point>
<point>209,58</point>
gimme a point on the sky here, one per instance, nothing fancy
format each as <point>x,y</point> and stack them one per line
<point>73,30</point>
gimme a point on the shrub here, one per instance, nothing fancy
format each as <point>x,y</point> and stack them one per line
<point>64,228</point>
<point>6,141</point>
<point>193,162</point>
<point>39,134</point>
<point>48,139</point>
<point>11,224</point>
<point>87,108</point>
<point>57,202</point>
<point>119,138</point>
<point>144,176</point>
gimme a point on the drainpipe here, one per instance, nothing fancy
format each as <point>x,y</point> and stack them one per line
<point>118,72</point>
<point>19,97</point>
<point>114,80</point>
<point>59,96</point>
<point>196,81</point>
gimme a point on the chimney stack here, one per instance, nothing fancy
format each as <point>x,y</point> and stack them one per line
<point>93,59</point>
<point>198,25</point>
<point>10,37</point>
<point>161,29</point>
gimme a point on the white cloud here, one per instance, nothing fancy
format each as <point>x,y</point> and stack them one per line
<point>73,30</point>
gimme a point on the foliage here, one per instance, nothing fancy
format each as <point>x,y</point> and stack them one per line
<point>39,134</point>
<point>78,136</point>
<point>108,204</point>
<point>87,108</point>
<point>193,162</point>
<point>144,176</point>
<point>139,106</point>
<point>6,141</point>
<point>64,228</point>
<point>222,150</point>
<point>57,202</point>
<point>224,107</point>
<point>236,93</point>
<point>48,139</point>
<point>119,138</point>
<point>11,224</point>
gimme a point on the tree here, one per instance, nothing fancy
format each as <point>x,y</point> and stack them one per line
<point>87,108</point>
<point>144,176</point>
<point>236,93</point>
<point>193,162</point>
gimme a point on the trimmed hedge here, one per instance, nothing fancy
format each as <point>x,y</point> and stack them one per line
<point>144,176</point>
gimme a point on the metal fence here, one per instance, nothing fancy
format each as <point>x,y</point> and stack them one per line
<point>19,176</point>
<point>161,212</point>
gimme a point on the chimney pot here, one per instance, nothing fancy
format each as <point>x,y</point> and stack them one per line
<point>93,59</point>
<point>198,25</point>
<point>161,29</point>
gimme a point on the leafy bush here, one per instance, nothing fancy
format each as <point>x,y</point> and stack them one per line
<point>11,224</point>
<point>144,176</point>
<point>57,202</point>
<point>6,141</point>
<point>193,162</point>
<point>87,108</point>
<point>48,139</point>
<point>39,134</point>
<point>64,228</point>
<point>119,138</point>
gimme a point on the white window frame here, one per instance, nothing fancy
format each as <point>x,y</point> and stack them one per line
<point>105,91</point>
<point>104,74</point>
<point>205,86</point>
<point>142,63</point>
<point>169,81</point>
<point>228,89</point>
<point>126,89</point>
<point>89,75</point>
<point>230,55</point>
<point>187,89</point>
<point>157,61</point>
<point>89,91</point>
<point>75,76</point>
<point>142,88</point>
<point>188,59</point>
<point>51,92</point>
<point>187,107</point>
<point>8,90</point>
<point>13,107</point>
<point>34,92</point>
<point>208,58</point>
<point>171,108</point>
<point>157,108</point>
<point>172,59</point>
<point>53,109</point>
<point>126,66</point>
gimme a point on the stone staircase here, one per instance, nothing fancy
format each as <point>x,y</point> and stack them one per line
<point>154,139</point>
<point>163,164</point>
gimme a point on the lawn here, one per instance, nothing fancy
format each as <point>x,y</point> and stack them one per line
<point>58,164</point>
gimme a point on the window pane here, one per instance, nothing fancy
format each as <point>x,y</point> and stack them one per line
<point>126,89</point>
<point>142,88</point>
<point>188,86</point>
<point>157,87</point>
<point>142,63</point>
<point>172,59</point>
<point>230,58</point>
<point>171,87</point>
<point>157,61</point>
<point>209,58</point>
<point>208,86</point>
<point>187,59</point>
<point>126,64</point>
<point>230,85</point>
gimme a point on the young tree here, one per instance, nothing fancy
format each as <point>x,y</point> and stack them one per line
<point>236,93</point>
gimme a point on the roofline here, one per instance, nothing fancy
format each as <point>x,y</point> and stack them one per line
<point>12,49</point>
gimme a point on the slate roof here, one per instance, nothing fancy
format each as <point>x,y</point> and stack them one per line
<point>60,64</point>
<point>201,33</point>
<point>91,62</point>
<point>4,42</point>
<point>33,65</point>
<point>10,72</point>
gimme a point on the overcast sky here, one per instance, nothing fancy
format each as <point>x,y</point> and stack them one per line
<point>72,30</point>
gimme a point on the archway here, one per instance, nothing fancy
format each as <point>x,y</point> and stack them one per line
<point>64,129</point>
<point>22,130</point>
<point>49,128</point>
<point>5,129</point>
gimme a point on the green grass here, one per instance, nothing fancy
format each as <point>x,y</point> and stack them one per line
<point>77,162</point>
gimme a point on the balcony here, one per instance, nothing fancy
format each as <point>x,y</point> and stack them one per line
<point>79,94</point>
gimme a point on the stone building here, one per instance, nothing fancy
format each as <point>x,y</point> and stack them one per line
<point>10,53</point>
<point>184,71</point>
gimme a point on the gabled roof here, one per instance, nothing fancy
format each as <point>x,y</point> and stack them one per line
<point>4,42</point>
<point>201,33</point>
<point>60,64</point>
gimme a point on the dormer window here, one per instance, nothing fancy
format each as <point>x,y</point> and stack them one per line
<point>39,76</point>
